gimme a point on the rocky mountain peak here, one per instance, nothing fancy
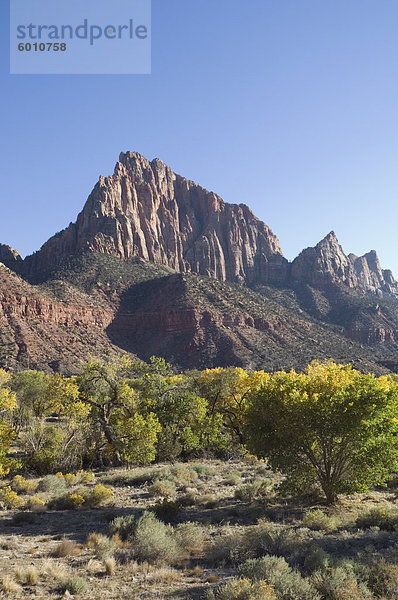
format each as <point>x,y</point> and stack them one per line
<point>146,210</point>
<point>330,238</point>
<point>324,264</point>
<point>327,264</point>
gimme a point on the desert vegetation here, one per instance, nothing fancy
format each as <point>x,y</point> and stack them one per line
<point>132,481</point>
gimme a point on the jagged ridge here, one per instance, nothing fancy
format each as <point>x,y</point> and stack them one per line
<point>326,264</point>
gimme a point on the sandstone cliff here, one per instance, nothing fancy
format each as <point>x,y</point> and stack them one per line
<point>326,264</point>
<point>148,211</point>
<point>145,210</point>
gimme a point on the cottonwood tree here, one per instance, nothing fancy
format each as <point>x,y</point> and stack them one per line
<point>226,392</point>
<point>30,388</point>
<point>332,425</point>
<point>58,443</point>
<point>116,411</point>
<point>182,414</point>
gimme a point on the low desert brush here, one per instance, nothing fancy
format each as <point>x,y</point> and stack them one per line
<point>85,477</point>
<point>52,484</point>
<point>23,486</point>
<point>123,526</point>
<point>320,521</point>
<point>154,541</point>
<point>35,503</point>
<point>162,489</point>
<point>242,589</point>
<point>288,583</point>
<point>250,491</point>
<point>167,510</point>
<point>272,539</point>
<point>99,495</point>
<point>382,578</point>
<point>75,586</point>
<point>340,583</point>
<point>190,537</point>
<point>383,517</point>
<point>70,479</point>
<point>101,544</point>
<point>9,499</point>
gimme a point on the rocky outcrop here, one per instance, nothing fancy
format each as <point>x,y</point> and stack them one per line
<point>326,264</point>
<point>10,257</point>
<point>370,276</point>
<point>370,336</point>
<point>146,210</point>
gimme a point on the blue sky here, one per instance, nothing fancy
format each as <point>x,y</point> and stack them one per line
<point>289,106</point>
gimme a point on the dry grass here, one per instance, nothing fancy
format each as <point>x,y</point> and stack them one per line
<point>29,575</point>
<point>66,547</point>
<point>197,571</point>
<point>55,569</point>
<point>214,532</point>
<point>110,566</point>
<point>9,586</point>
<point>165,575</point>
<point>9,543</point>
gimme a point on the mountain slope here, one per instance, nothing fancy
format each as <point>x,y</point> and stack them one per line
<point>197,322</point>
<point>39,331</point>
<point>155,264</point>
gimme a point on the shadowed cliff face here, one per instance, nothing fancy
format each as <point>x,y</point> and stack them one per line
<point>148,211</point>
<point>10,257</point>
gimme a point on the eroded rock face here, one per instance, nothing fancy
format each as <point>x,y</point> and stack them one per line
<point>371,336</point>
<point>146,210</point>
<point>9,257</point>
<point>39,332</point>
<point>326,264</point>
<point>370,276</point>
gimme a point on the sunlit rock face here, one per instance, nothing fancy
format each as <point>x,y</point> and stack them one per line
<point>144,209</point>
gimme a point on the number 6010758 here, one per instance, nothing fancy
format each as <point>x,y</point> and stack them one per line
<point>42,47</point>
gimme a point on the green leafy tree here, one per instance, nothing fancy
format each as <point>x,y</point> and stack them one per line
<point>332,425</point>
<point>226,392</point>
<point>30,388</point>
<point>116,411</point>
<point>182,414</point>
<point>58,443</point>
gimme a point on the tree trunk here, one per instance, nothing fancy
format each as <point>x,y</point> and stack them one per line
<point>111,440</point>
<point>331,496</point>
